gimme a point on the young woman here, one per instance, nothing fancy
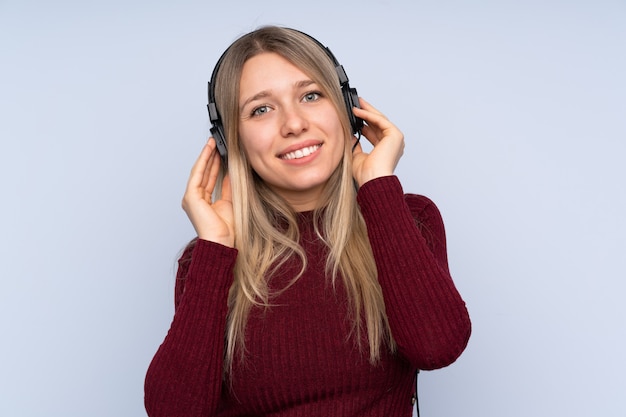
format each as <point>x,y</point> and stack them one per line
<point>315,286</point>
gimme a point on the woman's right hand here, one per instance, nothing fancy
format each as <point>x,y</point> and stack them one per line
<point>213,220</point>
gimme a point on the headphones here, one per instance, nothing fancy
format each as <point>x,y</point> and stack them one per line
<point>350,97</point>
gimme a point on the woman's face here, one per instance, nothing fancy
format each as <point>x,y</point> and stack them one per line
<point>289,129</point>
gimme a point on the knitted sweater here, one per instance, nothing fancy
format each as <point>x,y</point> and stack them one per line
<point>300,359</point>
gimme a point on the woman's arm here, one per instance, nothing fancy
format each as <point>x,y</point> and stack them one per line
<point>427,315</point>
<point>185,375</point>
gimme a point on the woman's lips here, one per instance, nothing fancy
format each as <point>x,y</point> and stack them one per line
<point>301,153</point>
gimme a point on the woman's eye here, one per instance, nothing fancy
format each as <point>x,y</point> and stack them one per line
<point>312,96</point>
<point>258,111</point>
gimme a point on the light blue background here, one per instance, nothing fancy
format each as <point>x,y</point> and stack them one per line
<point>515,120</point>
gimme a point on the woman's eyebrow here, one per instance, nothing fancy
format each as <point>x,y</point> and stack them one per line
<point>257,96</point>
<point>304,83</point>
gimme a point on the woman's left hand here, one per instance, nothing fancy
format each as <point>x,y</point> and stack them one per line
<point>388,144</point>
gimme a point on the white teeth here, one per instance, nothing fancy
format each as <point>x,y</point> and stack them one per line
<point>300,153</point>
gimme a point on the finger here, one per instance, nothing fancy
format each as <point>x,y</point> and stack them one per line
<point>378,127</point>
<point>227,194</point>
<point>204,179</point>
<point>372,134</point>
<point>212,171</point>
<point>365,105</point>
<point>199,167</point>
<point>373,117</point>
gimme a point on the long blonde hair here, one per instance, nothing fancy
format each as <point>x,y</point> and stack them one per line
<point>263,247</point>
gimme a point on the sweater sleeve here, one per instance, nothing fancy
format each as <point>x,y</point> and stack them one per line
<point>185,375</point>
<point>427,316</point>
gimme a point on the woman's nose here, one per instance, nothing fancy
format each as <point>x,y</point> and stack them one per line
<point>294,121</point>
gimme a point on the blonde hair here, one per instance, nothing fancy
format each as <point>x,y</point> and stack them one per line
<point>264,246</point>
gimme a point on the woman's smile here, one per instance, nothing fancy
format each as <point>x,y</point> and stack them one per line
<point>300,153</point>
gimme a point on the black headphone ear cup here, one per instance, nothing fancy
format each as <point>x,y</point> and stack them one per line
<point>220,140</point>
<point>351,98</point>
<point>217,130</point>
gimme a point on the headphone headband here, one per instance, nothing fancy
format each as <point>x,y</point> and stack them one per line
<point>350,97</point>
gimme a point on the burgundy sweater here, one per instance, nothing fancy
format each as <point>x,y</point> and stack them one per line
<point>300,359</point>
